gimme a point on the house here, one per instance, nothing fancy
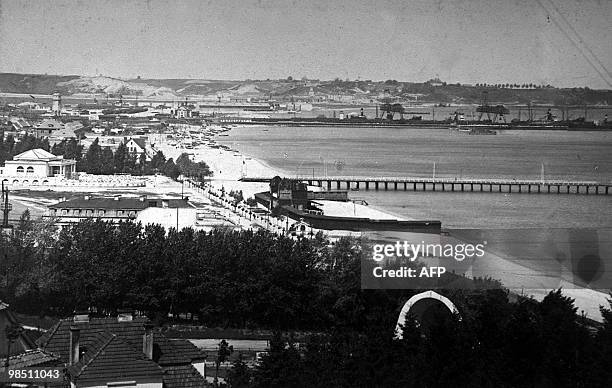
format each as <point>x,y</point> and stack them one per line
<point>37,166</point>
<point>136,146</point>
<point>47,127</point>
<point>183,112</point>
<point>68,131</point>
<point>122,351</point>
<point>113,209</point>
<point>20,125</point>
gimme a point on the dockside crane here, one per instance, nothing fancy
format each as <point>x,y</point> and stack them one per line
<point>499,112</point>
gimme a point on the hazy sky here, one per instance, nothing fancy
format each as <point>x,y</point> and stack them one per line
<point>562,42</point>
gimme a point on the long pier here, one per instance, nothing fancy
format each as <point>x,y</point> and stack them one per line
<point>453,185</point>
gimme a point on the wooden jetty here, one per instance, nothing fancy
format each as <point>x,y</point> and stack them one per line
<point>453,185</point>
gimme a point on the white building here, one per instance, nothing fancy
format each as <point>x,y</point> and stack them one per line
<point>37,166</point>
<point>183,112</point>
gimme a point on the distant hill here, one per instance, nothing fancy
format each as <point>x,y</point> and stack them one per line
<point>433,92</point>
<point>31,83</point>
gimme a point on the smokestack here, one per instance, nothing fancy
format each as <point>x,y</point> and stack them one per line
<point>75,334</point>
<point>147,341</point>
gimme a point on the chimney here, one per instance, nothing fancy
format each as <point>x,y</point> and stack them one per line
<point>75,334</point>
<point>86,197</point>
<point>81,316</point>
<point>147,341</point>
<point>124,315</point>
<point>142,198</point>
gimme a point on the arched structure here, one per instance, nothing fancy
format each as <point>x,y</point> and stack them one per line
<point>419,304</point>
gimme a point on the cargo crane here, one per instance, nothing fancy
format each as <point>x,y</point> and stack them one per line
<point>499,112</point>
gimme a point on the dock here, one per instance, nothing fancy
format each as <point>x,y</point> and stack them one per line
<point>452,185</point>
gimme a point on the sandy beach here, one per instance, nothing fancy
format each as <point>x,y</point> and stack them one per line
<point>229,166</point>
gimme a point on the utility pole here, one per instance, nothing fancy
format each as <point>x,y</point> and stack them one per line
<point>6,208</point>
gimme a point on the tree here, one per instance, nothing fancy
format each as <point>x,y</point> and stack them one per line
<point>171,170</point>
<point>73,150</point>
<point>120,158</point>
<point>223,353</point>
<point>107,161</point>
<point>158,161</point>
<point>93,158</point>
<point>239,376</point>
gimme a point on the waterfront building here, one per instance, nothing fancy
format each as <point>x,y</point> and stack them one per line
<point>37,166</point>
<point>112,209</point>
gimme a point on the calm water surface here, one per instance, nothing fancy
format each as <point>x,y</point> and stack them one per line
<point>583,156</point>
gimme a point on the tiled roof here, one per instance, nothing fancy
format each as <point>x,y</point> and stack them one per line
<point>36,154</point>
<point>175,352</point>
<point>183,376</point>
<point>113,352</point>
<point>130,203</point>
<point>111,359</point>
<point>57,339</point>
<point>49,124</point>
<point>26,338</point>
<point>31,358</point>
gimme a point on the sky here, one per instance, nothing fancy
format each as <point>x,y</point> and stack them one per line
<point>565,43</point>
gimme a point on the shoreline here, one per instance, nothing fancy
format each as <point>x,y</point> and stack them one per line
<point>230,165</point>
<point>227,165</point>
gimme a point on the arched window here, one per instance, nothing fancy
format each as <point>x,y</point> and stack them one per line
<point>30,170</point>
<point>20,170</point>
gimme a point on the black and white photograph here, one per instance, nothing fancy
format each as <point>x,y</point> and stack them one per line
<point>305,193</point>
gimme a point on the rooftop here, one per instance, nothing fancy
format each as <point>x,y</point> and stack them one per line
<point>50,124</point>
<point>31,358</point>
<point>37,154</point>
<point>114,348</point>
<point>110,358</point>
<point>130,203</point>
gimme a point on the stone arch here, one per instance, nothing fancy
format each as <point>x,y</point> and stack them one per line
<point>419,304</point>
<point>15,181</point>
<point>25,182</point>
<point>35,182</point>
<point>45,182</point>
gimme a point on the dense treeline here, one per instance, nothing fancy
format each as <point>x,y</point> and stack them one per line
<point>103,161</point>
<point>496,343</point>
<point>9,147</point>
<point>257,280</point>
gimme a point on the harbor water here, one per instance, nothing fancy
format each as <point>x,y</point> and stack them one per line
<point>412,152</point>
